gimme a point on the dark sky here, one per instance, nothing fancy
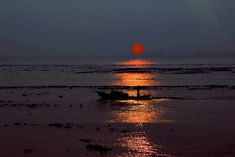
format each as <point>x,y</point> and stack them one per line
<point>73,28</point>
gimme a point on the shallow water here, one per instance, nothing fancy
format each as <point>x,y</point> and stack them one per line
<point>120,73</point>
<point>192,95</point>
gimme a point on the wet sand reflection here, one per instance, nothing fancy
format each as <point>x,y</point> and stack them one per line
<point>132,111</point>
<point>139,112</point>
<point>138,145</point>
<point>136,111</point>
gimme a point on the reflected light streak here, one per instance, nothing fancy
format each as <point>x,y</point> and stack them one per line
<point>136,111</point>
<point>134,79</point>
<point>139,112</point>
<point>139,145</point>
<point>136,62</point>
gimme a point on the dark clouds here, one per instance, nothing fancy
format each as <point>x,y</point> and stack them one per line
<point>59,28</point>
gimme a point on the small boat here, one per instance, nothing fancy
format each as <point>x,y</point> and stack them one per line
<point>117,95</point>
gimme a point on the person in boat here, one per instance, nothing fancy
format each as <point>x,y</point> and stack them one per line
<point>118,93</point>
<point>138,92</point>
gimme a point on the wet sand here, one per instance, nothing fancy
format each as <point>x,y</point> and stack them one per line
<point>72,121</point>
<point>53,110</point>
<point>123,140</point>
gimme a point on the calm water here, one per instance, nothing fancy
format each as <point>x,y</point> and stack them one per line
<point>115,73</point>
<point>169,83</point>
<point>187,93</point>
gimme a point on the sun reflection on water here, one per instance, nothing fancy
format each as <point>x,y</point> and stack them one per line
<point>138,145</point>
<point>135,78</point>
<point>137,111</point>
<point>137,63</point>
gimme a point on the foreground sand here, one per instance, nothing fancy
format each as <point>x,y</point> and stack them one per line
<point>65,122</point>
<point>122,139</point>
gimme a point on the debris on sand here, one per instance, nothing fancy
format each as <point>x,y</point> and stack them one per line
<point>111,129</point>
<point>17,124</point>
<point>98,148</point>
<point>31,105</point>
<point>69,124</point>
<point>28,150</point>
<point>79,126</point>
<point>85,140</point>
<point>98,129</point>
<point>58,125</point>
<point>125,131</point>
<point>33,125</point>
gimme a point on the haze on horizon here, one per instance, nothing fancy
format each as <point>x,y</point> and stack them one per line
<point>59,28</point>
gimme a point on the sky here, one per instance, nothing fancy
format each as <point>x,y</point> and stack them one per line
<point>83,28</point>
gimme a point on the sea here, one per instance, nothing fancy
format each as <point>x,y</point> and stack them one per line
<point>117,72</point>
<point>193,94</point>
<point>181,89</point>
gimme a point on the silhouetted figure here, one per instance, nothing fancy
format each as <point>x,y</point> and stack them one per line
<point>138,92</point>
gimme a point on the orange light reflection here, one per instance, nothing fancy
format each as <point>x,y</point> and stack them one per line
<point>139,145</point>
<point>136,111</point>
<point>136,62</point>
<point>134,79</point>
<point>140,112</point>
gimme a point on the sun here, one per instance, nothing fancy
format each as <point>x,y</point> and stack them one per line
<point>137,49</point>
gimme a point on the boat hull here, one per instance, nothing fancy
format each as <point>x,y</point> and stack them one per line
<point>108,96</point>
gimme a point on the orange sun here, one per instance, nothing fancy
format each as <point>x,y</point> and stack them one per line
<point>137,49</point>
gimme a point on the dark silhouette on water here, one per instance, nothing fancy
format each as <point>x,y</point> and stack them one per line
<point>119,95</point>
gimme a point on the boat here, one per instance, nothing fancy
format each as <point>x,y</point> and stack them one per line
<point>118,95</point>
